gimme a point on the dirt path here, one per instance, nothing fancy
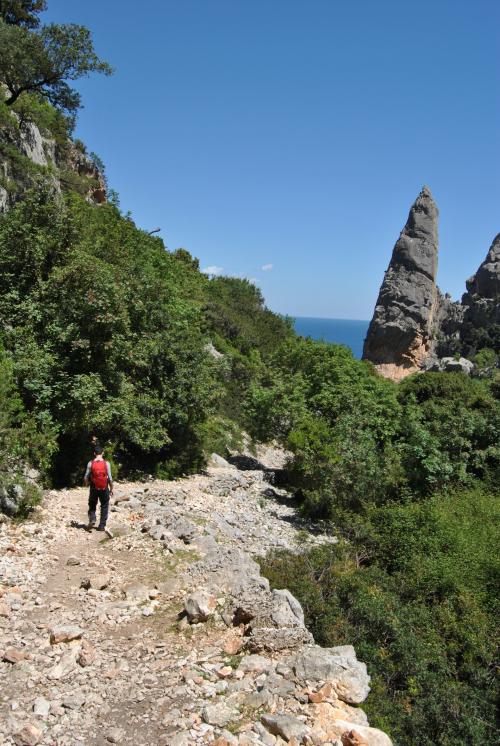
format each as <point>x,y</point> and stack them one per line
<point>96,646</point>
<point>127,626</point>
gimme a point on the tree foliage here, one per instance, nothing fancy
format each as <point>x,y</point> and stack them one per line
<point>24,13</point>
<point>43,61</point>
<point>102,335</point>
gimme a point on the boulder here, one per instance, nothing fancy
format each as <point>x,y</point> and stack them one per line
<point>359,735</point>
<point>276,639</point>
<point>217,462</point>
<point>451,365</point>
<point>199,606</point>
<point>338,665</point>
<point>286,726</point>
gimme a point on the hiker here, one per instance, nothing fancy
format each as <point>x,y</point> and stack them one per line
<point>98,474</point>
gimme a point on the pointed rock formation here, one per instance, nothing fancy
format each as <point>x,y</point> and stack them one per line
<point>400,335</point>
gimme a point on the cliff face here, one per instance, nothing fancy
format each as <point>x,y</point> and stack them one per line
<point>414,326</point>
<point>400,336</point>
<point>29,154</point>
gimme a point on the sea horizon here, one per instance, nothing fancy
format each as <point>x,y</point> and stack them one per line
<point>349,332</point>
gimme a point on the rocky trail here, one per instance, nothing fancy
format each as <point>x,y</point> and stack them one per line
<point>167,634</point>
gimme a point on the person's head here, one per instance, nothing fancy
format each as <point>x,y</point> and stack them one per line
<point>98,450</point>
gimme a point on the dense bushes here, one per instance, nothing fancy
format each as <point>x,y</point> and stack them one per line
<point>109,333</point>
<point>357,438</point>
<point>24,440</point>
<point>411,583</point>
<point>414,591</point>
<point>102,337</point>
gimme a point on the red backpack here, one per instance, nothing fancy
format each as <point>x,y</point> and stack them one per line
<point>99,474</point>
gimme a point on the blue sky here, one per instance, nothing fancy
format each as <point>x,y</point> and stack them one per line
<point>295,135</point>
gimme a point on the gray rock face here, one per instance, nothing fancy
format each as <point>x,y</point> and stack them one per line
<point>286,726</point>
<point>338,665</point>
<point>450,365</point>
<point>481,304</point>
<point>400,335</point>
<point>486,281</point>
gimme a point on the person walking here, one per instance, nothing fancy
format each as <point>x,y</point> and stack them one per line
<point>98,476</point>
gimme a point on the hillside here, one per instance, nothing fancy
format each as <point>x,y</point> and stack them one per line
<point>380,518</point>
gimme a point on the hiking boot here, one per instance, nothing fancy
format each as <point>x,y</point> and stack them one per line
<point>106,531</point>
<point>90,525</point>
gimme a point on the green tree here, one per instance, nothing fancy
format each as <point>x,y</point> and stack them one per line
<point>22,12</point>
<point>42,61</point>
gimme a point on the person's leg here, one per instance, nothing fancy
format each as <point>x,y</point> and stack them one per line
<point>104,500</point>
<point>92,506</point>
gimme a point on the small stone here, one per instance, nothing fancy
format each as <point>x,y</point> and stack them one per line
<point>65,665</point>
<point>65,634</point>
<point>137,594</point>
<point>233,645</point>
<point>115,735</point>
<point>352,738</point>
<point>255,664</point>
<point>4,610</point>
<point>41,707</point>
<point>74,702</point>
<point>224,672</point>
<point>30,735</point>
<point>218,714</point>
<point>97,582</point>
<point>87,654</point>
<point>73,561</point>
<point>13,655</point>
<point>327,691</point>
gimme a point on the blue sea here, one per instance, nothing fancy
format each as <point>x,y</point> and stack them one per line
<point>350,332</point>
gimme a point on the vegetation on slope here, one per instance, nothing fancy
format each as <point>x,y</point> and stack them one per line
<point>408,474</point>
<point>103,331</point>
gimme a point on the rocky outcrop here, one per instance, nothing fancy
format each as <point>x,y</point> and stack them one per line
<point>481,303</point>
<point>29,154</point>
<point>415,327</point>
<point>401,333</point>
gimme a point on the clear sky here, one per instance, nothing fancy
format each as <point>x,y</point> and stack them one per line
<point>294,135</point>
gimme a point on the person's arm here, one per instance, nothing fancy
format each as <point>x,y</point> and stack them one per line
<point>87,474</point>
<point>110,478</point>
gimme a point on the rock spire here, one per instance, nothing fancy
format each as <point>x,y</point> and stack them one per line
<point>400,335</point>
